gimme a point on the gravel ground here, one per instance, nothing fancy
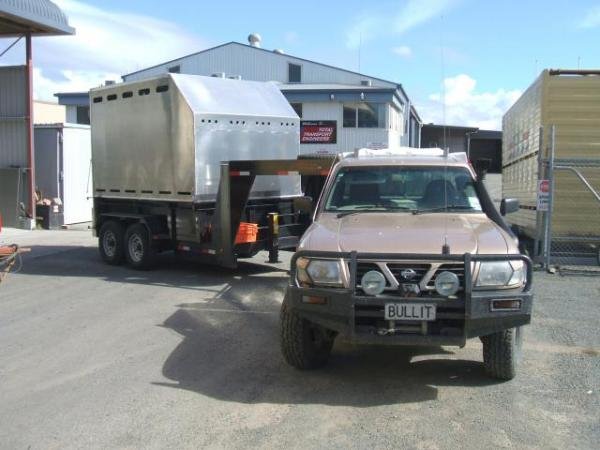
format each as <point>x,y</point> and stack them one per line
<point>187,356</point>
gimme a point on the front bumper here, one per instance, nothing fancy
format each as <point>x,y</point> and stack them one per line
<point>360,318</point>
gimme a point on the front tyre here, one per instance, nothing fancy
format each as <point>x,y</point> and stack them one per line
<point>138,247</point>
<point>304,345</point>
<point>502,353</point>
<point>110,242</point>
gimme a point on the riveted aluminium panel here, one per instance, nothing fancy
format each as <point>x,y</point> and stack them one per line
<point>164,138</point>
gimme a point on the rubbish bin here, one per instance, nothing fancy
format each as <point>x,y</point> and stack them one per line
<point>49,216</point>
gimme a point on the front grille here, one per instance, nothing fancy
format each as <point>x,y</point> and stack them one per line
<point>423,274</point>
<point>397,269</point>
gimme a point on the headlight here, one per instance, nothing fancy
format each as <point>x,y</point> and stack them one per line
<point>501,273</point>
<point>319,272</point>
<point>372,282</point>
<point>446,283</point>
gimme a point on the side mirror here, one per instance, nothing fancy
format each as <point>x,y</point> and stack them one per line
<point>509,205</point>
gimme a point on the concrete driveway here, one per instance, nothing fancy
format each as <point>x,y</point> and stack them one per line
<point>186,356</point>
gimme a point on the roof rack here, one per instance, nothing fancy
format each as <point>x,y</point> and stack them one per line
<point>406,152</point>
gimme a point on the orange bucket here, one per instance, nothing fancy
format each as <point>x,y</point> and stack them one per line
<point>246,233</point>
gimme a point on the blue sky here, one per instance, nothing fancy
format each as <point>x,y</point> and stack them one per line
<point>491,51</point>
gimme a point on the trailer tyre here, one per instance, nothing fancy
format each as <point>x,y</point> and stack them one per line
<point>138,249</point>
<point>110,242</point>
<point>304,345</point>
<point>502,353</point>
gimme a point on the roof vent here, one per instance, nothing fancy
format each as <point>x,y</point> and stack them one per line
<point>235,77</point>
<point>279,51</point>
<point>218,75</point>
<point>254,39</point>
<point>366,83</point>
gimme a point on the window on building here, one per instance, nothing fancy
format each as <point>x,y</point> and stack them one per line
<point>364,115</point>
<point>349,116</point>
<point>298,108</point>
<point>294,73</point>
<point>175,69</point>
<point>83,115</point>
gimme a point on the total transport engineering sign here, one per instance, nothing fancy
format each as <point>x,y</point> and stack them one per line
<point>318,131</point>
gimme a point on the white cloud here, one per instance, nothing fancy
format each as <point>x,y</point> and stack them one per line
<point>412,14</point>
<point>466,106</point>
<point>107,44</point>
<point>591,19</point>
<point>416,12</point>
<point>402,51</point>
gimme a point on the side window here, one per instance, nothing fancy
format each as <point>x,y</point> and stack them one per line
<point>294,73</point>
<point>364,115</point>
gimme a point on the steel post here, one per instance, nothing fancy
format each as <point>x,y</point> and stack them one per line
<point>29,123</point>
<point>273,237</point>
<point>538,241</point>
<point>548,230</point>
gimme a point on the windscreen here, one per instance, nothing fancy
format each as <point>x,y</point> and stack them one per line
<point>403,188</point>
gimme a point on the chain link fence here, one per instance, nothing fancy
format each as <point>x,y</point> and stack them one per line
<point>570,228</point>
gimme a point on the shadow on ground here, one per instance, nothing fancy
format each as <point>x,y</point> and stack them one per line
<point>170,270</point>
<point>230,340</point>
<point>230,351</point>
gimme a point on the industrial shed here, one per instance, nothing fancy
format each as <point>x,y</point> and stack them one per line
<point>339,109</point>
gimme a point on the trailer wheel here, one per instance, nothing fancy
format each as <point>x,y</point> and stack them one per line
<point>138,249</point>
<point>304,345</point>
<point>502,353</point>
<point>110,242</point>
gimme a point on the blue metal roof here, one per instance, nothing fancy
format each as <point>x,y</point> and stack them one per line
<point>39,17</point>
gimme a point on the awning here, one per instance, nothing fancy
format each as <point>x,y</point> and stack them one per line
<point>38,17</point>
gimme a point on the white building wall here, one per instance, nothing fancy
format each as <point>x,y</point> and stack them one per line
<point>255,64</point>
<point>348,139</point>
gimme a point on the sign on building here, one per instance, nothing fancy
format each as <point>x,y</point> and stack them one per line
<point>543,195</point>
<point>318,131</point>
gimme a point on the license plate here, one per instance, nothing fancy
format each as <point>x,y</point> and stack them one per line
<point>409,311</point>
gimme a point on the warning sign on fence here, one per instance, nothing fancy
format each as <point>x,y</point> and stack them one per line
<point>543,195</point>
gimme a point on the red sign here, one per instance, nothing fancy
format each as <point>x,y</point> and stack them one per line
<point>318,131</point>
<point>544,186</point>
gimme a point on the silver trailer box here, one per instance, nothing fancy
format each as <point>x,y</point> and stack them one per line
<point>164,138</point>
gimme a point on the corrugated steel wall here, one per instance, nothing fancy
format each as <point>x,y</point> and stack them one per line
<point>257,65</point>
<point>13,128</point>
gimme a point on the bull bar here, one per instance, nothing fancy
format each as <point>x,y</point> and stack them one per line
<point>471,309</point>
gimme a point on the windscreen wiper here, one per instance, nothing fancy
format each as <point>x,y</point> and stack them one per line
<point>441,208</point>
<point>363,209</point>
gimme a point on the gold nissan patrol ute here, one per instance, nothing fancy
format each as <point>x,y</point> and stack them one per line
<point>406,247</point>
